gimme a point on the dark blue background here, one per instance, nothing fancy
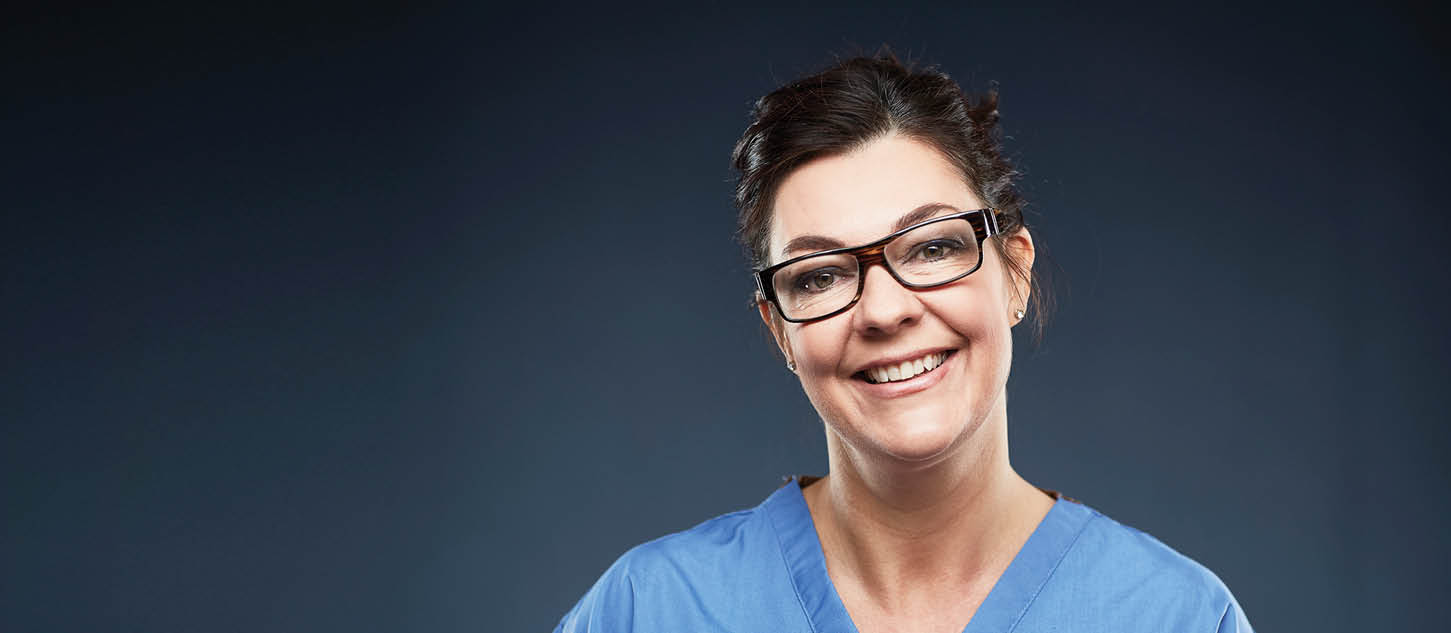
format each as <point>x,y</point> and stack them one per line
<point>416,319</point>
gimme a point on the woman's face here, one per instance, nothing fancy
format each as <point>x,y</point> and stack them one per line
<point>855,199</point>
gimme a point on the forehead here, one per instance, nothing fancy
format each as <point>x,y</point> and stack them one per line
<point>856,198</point>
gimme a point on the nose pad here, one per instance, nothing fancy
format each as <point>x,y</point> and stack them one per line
<point>885,303</point>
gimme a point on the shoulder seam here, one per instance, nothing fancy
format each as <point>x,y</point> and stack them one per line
<point>688,531</point>
<point>634,598</point>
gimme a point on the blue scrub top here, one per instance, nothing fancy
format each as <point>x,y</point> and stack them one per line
<point>762,570</point>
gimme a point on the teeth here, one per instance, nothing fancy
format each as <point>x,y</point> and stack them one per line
<point>907,369</point>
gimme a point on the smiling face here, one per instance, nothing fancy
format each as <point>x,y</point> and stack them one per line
<point>955,338</point>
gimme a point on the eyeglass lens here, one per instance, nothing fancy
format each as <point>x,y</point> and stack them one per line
<point>928,254</point>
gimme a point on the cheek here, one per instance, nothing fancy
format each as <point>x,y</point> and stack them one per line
<point>819,349</point>
<point>818,346</point>
<point>979,318</point>
<point>972,312</point>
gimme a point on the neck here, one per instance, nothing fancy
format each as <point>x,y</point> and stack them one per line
<point>890,526</point>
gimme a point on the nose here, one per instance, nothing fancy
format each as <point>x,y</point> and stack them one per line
<point>885,305</point>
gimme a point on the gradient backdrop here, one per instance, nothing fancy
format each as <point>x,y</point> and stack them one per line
<point>414,320</point>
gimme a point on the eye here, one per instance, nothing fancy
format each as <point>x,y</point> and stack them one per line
<point>937,250</point>
<point>819,280</point>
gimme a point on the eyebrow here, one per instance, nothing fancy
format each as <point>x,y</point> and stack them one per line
<point>813,243</point>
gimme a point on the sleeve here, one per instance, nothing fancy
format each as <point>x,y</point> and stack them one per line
<point>1234,620</point>
<point>608,606</point>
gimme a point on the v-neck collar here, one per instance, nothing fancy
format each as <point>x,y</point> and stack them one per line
<point>1000,612</point>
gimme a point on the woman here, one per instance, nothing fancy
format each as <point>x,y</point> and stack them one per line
<point>892,263</point>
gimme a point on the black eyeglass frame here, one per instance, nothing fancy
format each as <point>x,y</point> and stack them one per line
<point>984,225</point>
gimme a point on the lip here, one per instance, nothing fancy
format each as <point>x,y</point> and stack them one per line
<point>920,382</point>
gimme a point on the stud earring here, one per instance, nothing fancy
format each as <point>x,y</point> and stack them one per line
<point>791,365</point>
<point>1018,314</point>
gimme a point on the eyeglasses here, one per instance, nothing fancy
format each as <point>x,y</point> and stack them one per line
<point>936,252</point>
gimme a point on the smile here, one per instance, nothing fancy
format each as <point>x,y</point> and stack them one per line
<point>905,370</point>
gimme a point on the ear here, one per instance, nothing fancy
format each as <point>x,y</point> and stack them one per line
<point>1019,248</point>
<point>776,324</point>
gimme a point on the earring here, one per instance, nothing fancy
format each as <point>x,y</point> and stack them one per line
<point>791,365</point>
<point>1018,314</point>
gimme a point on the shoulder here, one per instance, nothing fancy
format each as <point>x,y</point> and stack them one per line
<point>639,588</point>
<point>1138,557</point>
<point>703,549</point>
<point>1131,572</point>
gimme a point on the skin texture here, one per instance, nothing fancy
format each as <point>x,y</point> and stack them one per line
<point>921,511</point>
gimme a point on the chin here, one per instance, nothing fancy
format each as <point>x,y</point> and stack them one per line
<point>916,441</point>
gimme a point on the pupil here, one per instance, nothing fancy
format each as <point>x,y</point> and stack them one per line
<point>823,280</point>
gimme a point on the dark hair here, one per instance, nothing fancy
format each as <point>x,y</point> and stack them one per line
<point>860,100</point>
